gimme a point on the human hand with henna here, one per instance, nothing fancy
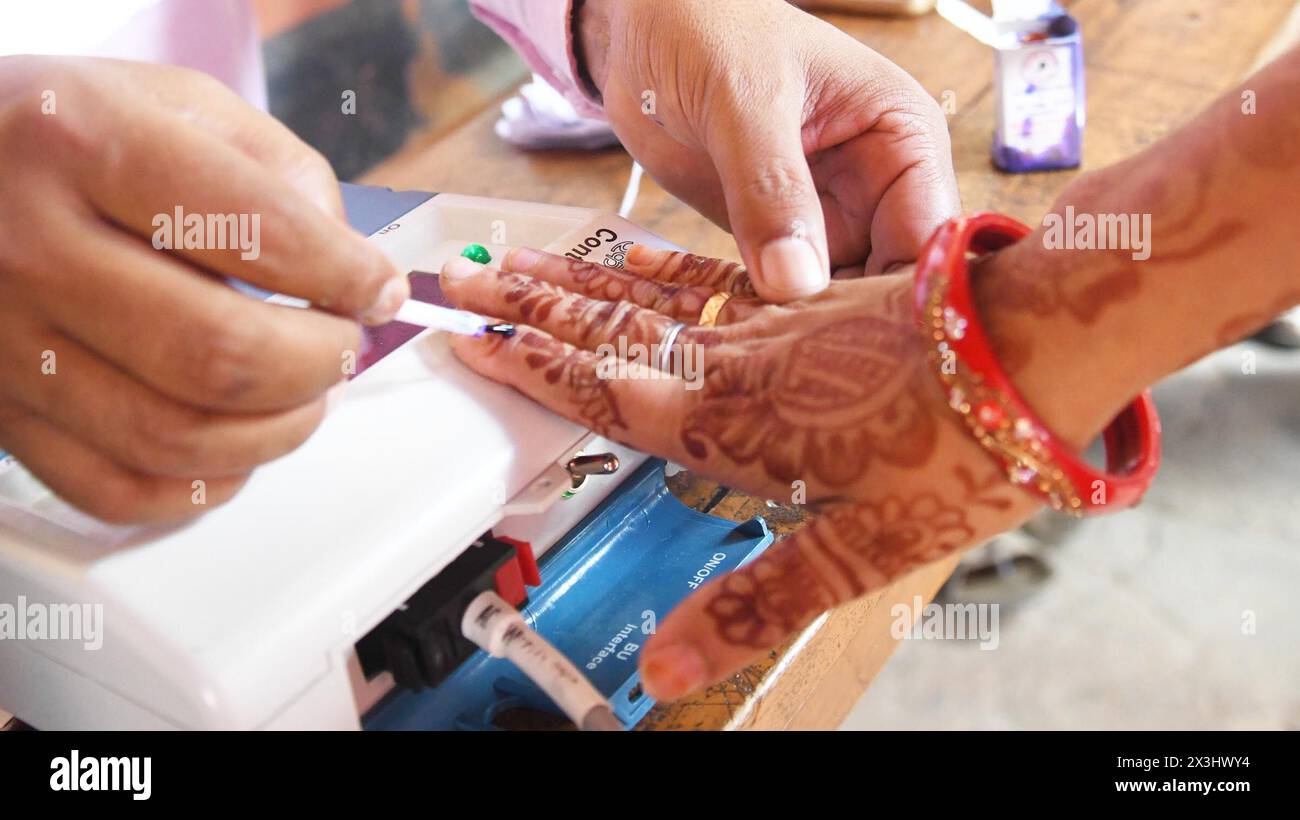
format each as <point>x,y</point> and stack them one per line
<point>835,391</point>
<point>831,399</point>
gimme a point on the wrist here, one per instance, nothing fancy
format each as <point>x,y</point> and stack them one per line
<point>1037,438</point>
<point>593,23</point>
<point>1075,373</point>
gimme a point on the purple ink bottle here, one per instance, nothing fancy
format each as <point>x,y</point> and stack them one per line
<point>1039,95</point>
<point>1038,83</point>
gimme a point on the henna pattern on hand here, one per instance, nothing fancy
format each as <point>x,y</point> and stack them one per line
<point>593,397</point>
<point>862,547</point>
<point>897,535</point>
<point>716,274</point>
<point>668,298</point>
<point>762,602</point>
<point>594,320</point>
<point>827,406</point>
<point>535,298</point>
<point>1062,283</point>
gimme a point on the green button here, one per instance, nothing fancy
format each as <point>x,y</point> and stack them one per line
<point>478,253</point>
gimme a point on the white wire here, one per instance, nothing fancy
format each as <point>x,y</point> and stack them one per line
<point>633,189</point>
<point>501,631</point>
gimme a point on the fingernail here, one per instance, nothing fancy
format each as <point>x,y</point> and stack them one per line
<point>790,269</point>
<point>458,267</point>
<point>674,671</point>
<point>893,267</point>
<point>394,293</point>
<point>522,259</point>
<point>640,255</point>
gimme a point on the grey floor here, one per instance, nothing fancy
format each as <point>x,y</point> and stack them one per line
<point>1145,622</point>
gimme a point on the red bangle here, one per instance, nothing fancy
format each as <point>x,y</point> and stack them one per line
<point>981,393</point>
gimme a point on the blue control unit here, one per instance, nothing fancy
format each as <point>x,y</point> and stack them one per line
<point>604,587</point>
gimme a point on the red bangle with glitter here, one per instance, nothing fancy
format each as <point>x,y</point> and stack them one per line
<point>981,393</point>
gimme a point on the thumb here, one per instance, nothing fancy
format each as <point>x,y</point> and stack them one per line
<point>772,205</point>
<point>727,622</point>
<point>848,551</point>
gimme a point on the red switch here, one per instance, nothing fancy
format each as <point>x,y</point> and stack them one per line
<point>514,575</point>
<point>527,561</point>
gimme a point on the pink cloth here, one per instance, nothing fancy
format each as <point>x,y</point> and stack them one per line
<point>542,32</point>
<point>218,37</point>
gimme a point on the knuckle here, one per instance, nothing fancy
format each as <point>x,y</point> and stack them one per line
<point>316,179</point>
<point>168,440</point>
<point>671,265</point>
<point>317,169</point>
<point>228,361</point>
<point>775,182</point>
<point>912,114</point>
<point>925,110</point>
<point>199,81</point>
<point>525,294</point>
<point>68,133</point>
<point>615,318</point>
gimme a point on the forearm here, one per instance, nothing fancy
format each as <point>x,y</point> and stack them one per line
<point>541,31</point>
<point>1083,330</point>
<point>591,45</point>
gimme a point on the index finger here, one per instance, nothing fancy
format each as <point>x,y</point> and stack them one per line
<point>199,198</point>
<point>227,115</point>
<point>187,335</point>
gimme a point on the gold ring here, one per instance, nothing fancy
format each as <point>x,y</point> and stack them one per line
<point>714,306</point>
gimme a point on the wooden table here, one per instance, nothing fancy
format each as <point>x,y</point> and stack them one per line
<point>1152,64</point>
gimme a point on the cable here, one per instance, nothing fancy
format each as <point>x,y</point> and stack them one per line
<point>499,629</point>
<point>633,190</point>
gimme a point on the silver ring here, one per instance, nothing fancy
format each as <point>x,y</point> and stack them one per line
<point>666,346</point>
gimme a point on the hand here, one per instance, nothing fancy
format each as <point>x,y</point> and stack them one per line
<point>815,151</point>
<point>129,373</point>
<point>834,402</point>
